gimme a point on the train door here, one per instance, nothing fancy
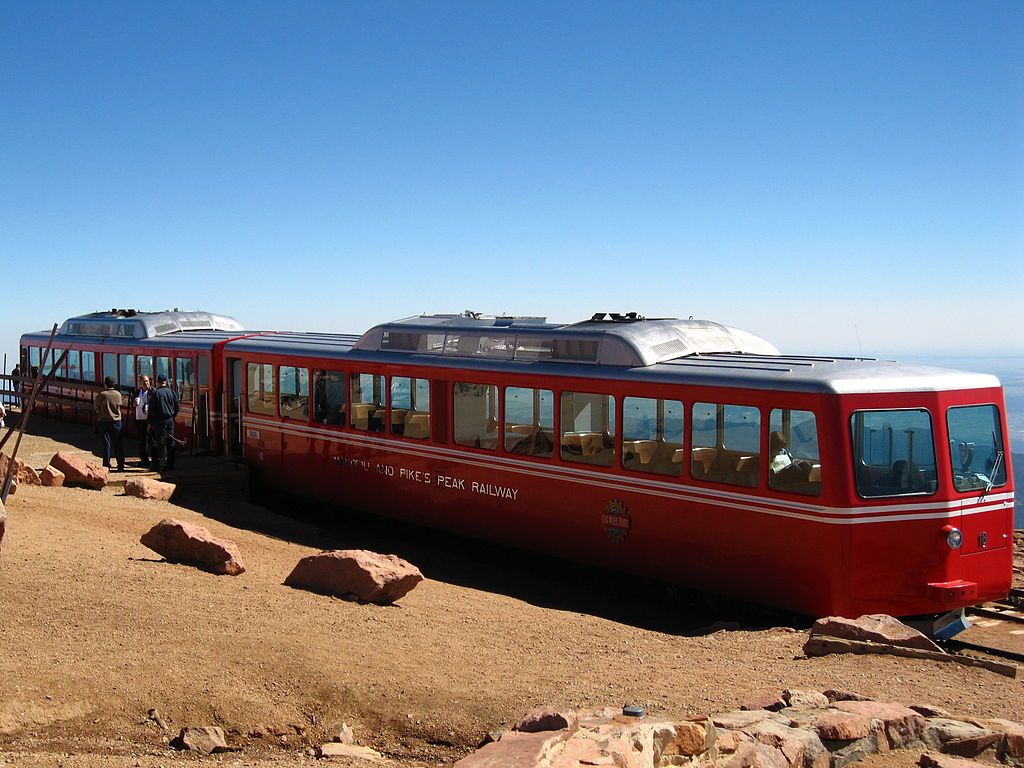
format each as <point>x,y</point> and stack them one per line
<point>232,411</point>
<point>202,406</point>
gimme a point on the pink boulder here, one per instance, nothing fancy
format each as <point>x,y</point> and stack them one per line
<point>181,542</point>
<point>78,471</point>
<point>370,577</point>
<point>52,477</point>
<point>23,473</point>
<point>875,627</point>
<point>147,488</point>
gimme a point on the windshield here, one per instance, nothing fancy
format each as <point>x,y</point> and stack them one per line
<point>976,447</point>
<point>894,452</point>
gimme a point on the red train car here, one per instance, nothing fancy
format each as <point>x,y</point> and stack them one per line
<point>125,344</point>
<point>681,450</point>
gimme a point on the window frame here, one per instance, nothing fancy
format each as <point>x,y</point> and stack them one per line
<point>249,364</point>
<point>1002,439</point>
<point>659,430</point>
<point>854,458</point>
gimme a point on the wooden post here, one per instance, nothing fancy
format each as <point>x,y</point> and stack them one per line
<point>26,412</point>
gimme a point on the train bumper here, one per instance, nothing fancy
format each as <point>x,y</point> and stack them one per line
<point>953,593</point>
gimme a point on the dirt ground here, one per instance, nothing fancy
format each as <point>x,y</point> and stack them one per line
<point>95,630</point>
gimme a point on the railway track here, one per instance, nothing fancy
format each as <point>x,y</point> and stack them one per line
<point>999,621</point>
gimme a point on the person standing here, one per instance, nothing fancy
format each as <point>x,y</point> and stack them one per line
<point>161,410</point>
<point>107,406</point>
<point>141,403</point>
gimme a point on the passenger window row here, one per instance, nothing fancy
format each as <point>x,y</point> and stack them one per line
<point>725,439</point>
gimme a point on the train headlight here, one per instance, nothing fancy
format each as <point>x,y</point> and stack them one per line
<point>953,536</point>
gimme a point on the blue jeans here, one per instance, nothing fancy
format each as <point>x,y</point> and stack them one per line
<point>113,442</point>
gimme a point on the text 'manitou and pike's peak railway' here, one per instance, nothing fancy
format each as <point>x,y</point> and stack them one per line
<point>682,450</point>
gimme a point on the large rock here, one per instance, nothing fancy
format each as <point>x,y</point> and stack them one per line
<point>876,627</point>
<point>545,719</point>
<point>23,473</point>
<point>205,739</point>
<point>147,488</point>
<point>78,471</point>
<point>958,738</point>
<point>800,746</point>
<point>51,477</point>
<point>347,752</point>
<point>515,749</point>
<point>805,699</point>
<point>903,727</point>
<point>842,726</point>
<point>370,577</point>
<point>181,542</point>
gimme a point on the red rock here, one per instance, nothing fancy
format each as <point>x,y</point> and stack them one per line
<point>805,699</point>
<point>1011,746</point>
<point>52,477</point>
<point>730,741</point>
<point>371,577</point>
<point>755,755</point>
<point>205,740</point>
<point>514,750</point>
<point>769,701</point>
<point>972,746</point>
<point>691,739</point>
<point>147,488</point>
<point>23,473</point>
<point>833,695</point>
<point>932,760</point>
<point>903,726</point>
<point>740,719</point>
<point>842,726</point>
<point>876,627</point>
<point>930,710</point>
<point>546,719</point>
<point>78,471</point>
<point>181,542</point>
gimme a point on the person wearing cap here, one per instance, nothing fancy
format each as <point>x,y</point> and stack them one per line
<point>107,406</point>
<point>161,409</point>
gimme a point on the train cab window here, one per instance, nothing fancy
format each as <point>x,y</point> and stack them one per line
<point>163,365</point>
<point>185,379</point>
<point>329,398</point>
<point>74,366</point>
<point>293,391</point>
<point>476,415</point>
<point>726,444</point>
<point>109,365</point>
<point>587,428</point>
<point>144,365</point>
<point>893,452</point>
<point>89,366</point>
<point>530,421</point>
<point>410,407</point>
<point>976,447</point>
<point>369,409</point>
<point>652,435</point>
<point>260,386</point>
<point>794,462</point>
<point>127,372</point>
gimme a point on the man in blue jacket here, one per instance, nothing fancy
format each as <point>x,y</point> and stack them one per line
<point>161,410</point>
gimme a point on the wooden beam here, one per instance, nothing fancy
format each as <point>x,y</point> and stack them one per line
<point>820,645</point>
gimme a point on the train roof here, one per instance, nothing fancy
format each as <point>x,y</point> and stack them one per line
<point>814,374</point>
<point>133,324</point>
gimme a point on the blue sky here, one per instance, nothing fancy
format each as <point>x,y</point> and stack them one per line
<point>839,177</point>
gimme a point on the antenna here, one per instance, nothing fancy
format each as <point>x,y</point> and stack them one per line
<point>860,349</point>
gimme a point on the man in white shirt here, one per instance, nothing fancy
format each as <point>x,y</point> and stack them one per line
<point>141,403</point>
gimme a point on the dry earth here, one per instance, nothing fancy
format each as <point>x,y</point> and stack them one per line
<point>96,630</point>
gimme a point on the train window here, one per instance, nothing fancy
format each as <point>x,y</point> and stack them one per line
<point>204,370</point>
<point>726,444</point>
<point>893,452</point>
<point>293,391</point>
<point>110,365</point>
<point>587,428</point>
<point>163,365</point>
<point>89,366</point>
<point>185,380</point>
<point>530,421</point>
<point>74,367</point>
<point>794,460</point>
<point>652,435</point>
<point>976,447</point>
<point>144,364</point>
<point>33,356</point>
<point>127,372</point>
<point>367,396</point>
<point>476,415</point>
<point>410,407</point>
<point>329,398</point>
<point>412,341</point>
<point>260,387</point>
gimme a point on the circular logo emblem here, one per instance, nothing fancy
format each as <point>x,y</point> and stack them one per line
<point>616,521</point>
